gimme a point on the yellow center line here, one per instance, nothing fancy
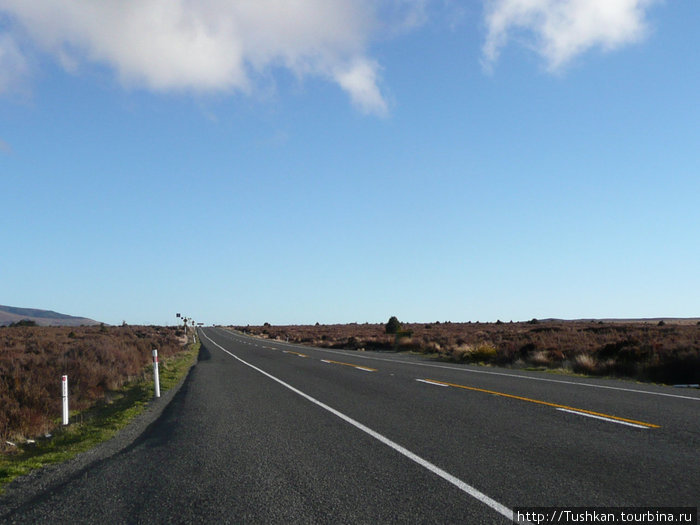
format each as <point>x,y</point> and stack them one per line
<point>350,364</point>
<point>295,353</point>
<point>537,401</point>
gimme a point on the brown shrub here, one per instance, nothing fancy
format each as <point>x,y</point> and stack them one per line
<point>96,360</point>
<point>585,363</point>
<point>668,353</point>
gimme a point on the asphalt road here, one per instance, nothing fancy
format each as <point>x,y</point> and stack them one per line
<point>268,432</point>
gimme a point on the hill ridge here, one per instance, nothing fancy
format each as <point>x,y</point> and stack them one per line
<point>13,314</point>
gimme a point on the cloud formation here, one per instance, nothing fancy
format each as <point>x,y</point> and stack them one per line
<point>13,66</point>
<point>562,29</point>
<point>209,45</point>
<point>230,45</point>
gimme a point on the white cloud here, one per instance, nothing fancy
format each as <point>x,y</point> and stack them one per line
<point>211,45</point>
<point>563,29</point>
<point>13,66</point>
<point>232,45</point>
<point>360,80</point>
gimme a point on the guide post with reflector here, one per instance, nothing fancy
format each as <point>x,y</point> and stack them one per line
<point>64,395</point>
<point>156,382</point>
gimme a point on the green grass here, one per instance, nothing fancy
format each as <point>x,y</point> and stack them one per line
<point>97,424</point>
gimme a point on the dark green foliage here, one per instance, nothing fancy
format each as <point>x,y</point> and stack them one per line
<point>393,326</point>
<point>24,322</point>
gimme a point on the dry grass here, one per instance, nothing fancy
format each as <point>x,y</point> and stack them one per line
<point>668,353</point>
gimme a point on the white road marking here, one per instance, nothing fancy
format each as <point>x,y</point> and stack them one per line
<point>472,371</point>
<point>498,507</point>
<point>603,418</point>
<point>432,383</point>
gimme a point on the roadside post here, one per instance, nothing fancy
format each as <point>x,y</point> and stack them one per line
<point>156,382</point>
<point>64,395</point>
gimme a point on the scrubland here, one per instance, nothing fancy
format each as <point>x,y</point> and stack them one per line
<point>663,352</point>
<point>98,360</point>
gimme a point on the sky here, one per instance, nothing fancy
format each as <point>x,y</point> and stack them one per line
<point>341,161</point>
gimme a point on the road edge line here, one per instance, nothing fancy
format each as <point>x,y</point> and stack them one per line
<point>464,487</point>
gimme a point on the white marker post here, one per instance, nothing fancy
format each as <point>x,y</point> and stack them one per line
<point>64,392</point>
<point>156,382</point>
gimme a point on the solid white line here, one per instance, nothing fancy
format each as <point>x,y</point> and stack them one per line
<point>363,368</point>
<point>501,509</point>
<point>432,383</point>
<point>472,371</point>
<point>603,418</point>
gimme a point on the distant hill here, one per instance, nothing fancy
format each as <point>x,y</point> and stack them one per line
<point>11,314</point>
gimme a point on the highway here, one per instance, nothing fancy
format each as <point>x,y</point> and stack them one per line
<point>270,432</point>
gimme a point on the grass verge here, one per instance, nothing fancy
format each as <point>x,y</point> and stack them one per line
<point>97,424</point>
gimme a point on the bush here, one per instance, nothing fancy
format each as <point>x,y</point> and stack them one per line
<point>585,363</point>
<point>393,326</point>
<point>32,360</point>
<point>24,322</point>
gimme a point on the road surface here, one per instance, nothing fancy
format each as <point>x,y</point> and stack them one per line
<point>269,432</point>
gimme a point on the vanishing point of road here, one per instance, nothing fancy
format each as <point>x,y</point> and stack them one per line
<point>269,432</point>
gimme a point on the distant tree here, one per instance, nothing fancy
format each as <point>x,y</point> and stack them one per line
<point>393,326</point>
<point>661,323</point>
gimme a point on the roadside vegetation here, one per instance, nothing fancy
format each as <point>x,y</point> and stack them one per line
<point>110,382</point>
<point>663,351</point>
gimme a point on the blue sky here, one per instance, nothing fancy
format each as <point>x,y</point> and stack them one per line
<point>345,161</point>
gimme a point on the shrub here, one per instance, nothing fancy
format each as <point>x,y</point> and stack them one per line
<point>540,358</point>
<point>484,352</point>
<point>585,363</point>
<point>669,353</point>
<point>33,359</point>
<point>393,326</point>
<point>24,322</point>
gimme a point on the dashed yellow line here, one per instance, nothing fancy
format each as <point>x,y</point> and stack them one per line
<point>366,369</point>
<point>546,403</point>
<point>295,353</point>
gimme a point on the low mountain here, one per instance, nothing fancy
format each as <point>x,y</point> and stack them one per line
<point>11,314</point>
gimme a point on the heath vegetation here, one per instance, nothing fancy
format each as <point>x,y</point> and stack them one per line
<point>98,360</point>
<point>664,352</point>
